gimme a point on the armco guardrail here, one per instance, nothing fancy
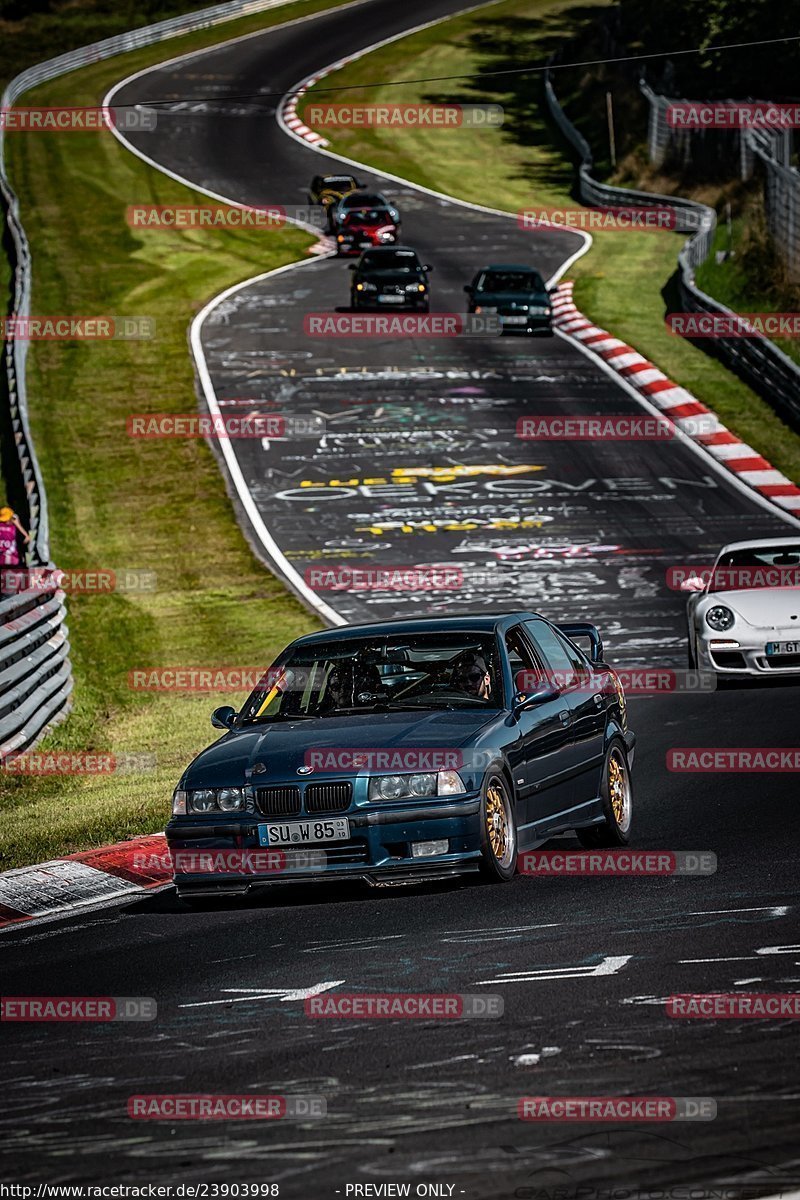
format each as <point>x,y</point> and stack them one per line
<point>35,672</point>
<point>771,147</point>
<point>761,364</point>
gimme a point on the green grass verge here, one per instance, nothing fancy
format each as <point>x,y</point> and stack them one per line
<point>622,282</point>
<point>752,279</point>
<point>117,502</point>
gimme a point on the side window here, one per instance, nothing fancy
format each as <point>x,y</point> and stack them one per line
<point>564,660</point>
<point>526,671</point>
<point>576,656</point>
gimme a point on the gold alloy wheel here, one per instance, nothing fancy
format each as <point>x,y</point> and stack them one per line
<point>619,790</point>
<point>499,829</point>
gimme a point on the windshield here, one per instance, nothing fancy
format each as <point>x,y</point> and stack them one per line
<point>391,260</point>
<point>511,281</point>
<point>378,673</point>
<point>757,567</point>
<point>338,183</point>
<point>369,201</point>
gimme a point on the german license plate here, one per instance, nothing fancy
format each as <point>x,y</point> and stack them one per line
<point>304,833</point>
<point>391,299</point>
<point>514,320</point>
<point>775,648</point>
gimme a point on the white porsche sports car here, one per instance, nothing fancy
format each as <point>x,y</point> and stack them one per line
<point>744,613</point>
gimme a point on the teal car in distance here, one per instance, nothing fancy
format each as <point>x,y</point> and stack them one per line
<point>516,294</point>
<point>408,750</point>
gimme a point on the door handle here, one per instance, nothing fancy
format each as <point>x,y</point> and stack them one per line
<point>565,716</point>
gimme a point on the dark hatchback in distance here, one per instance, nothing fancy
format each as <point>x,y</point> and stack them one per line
<point>516,294</point>
<point>361,200</point>
<point>390,277</point>
<point>410,750</point>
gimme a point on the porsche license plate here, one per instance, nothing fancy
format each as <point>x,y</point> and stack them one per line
<point>304,833</point>
<point>392,299</point>
<point>514,320</point>
<point>775,648</point>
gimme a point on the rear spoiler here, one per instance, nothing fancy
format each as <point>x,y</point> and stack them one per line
<point>583,629</point>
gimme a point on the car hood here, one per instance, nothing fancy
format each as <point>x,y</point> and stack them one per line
<point>364,225</point>
<point>511,298</point>
<point>284,746</point>
<point>764,608</point>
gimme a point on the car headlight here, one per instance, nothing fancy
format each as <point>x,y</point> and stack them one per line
<point>230,799</point>
<point>366,287</point>
<point>415,287</point>
<point>484,308</point>
<point>409,787</point>
<point>202,801</point>
<point>207,800</point>
<point>719,617</point>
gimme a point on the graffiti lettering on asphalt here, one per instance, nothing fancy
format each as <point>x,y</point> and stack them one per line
<point>235,996</point>
<point>450,524</point>
<point>609,965</point>
<point>607,487</point>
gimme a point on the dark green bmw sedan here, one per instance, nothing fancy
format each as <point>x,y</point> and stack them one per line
<point>517,295</point>
<point>408,750</point>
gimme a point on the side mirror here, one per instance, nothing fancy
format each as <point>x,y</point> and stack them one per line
<point>352,266</point>
<point>547,691</point>
<point>359,185</point>
<point>468,288</point>
<point>224,717</point>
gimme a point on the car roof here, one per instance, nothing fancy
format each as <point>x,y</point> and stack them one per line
<point>466,623</point>
<point>755,543</point>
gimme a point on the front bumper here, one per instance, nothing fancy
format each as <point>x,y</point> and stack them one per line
<point>378,850</point>
<point>357,245</point>
<point>413,302</point>
<point>749,659</point>
<point>509,323</point>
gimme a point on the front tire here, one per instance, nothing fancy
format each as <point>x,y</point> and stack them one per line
<point>498,830</point>
<point>616,793</point>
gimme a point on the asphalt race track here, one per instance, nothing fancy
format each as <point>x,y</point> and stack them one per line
<point>585,524</point>
<point>578,530</point>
